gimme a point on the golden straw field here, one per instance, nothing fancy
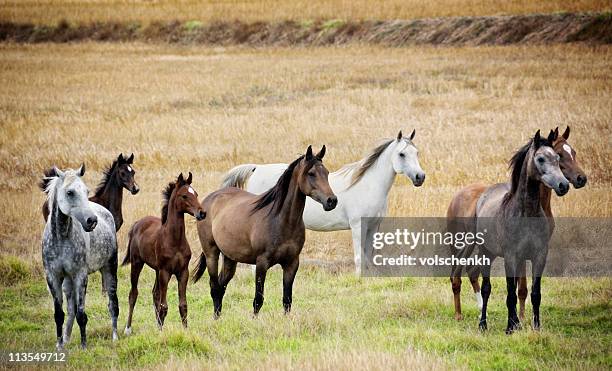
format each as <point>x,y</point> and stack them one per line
<point>205,110</point>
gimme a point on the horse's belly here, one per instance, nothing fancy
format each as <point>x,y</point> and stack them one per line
<point>317,219</point>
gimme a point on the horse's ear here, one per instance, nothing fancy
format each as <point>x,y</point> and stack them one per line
<point>58,172</point>
<point>556,133</point>
<point>189,178</point>
<point>566,133</point>
<point>412,135</point>
<point>399,135</point>
<point>81,170</point>
<point>551,137</point>
<point>321,153</point>
<point>120,158</point>
<point>536,139</point>
<point>180,178</point>
<point>130,159</point>
<point>309,156</point>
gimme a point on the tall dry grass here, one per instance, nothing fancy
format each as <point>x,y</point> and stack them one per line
<point>52,11</point>
<point>207,109</point>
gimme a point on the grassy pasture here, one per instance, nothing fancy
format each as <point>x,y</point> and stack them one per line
<point>207,109</point>
<point>53,11</point>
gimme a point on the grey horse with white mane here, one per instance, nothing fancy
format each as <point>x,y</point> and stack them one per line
<point>79,239</point>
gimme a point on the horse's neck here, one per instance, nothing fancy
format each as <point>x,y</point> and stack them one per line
<point>292,209</point>
<point>60,222</point>
<point>174,228</point>
<point>545,195</point>
<point>111,197</point>
<point>379,178</point>
<point>527,194</point>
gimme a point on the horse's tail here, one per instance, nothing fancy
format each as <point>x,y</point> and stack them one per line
<point>126,260</point>
<point>44,182</point>
<point>238,176</point>
<point>199,269</point>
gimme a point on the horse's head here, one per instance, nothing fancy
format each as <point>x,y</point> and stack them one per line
<point>70,195</point>
<point>567,159</point>
<point>312,179</point>
<point>544,164</point>
<point>186,198</point>
<point>405,159</point>
<point>125,173</point>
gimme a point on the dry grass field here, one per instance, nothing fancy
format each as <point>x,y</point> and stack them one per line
<point>52,11</point>
<point>205,110</point>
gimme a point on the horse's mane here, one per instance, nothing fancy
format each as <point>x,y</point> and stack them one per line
<point>44,182</point>
<point>166,200</point>
<point>105,178</point>
<point>360,167</point>
<point>277,194</point>
<point>516,164</point>
<point>51,181</point>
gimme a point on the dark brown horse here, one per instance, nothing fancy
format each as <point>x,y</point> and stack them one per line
<point>462,211</point>
<point>119,175</point>
<point>161,244</point>
<point>264,230</point>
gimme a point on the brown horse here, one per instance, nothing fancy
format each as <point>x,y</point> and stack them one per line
<point>119,175</point>
<point>161,244</point>
<point>264,230</point>
<point>462,212</point>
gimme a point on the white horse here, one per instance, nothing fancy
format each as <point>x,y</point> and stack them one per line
<point>362,187</point>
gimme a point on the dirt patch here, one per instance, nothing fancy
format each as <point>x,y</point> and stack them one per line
<point>520,29</point>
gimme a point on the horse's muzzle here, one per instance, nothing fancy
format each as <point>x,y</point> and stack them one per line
<point>134,189</point>
<point>90,223</point>
<point>200,215</point>
<point>330,203</point>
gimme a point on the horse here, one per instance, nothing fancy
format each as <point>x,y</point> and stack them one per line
<point>161,244</point>
<point>109,193</point>
<point>79,238</point>
<point>263,230</point>
<point>362,187</point>
<point>462,211</point>
<point>518,228</point>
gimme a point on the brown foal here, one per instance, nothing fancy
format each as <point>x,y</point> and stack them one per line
<point>264,230</point>
<point>462,212</point>
<point>161,244</point>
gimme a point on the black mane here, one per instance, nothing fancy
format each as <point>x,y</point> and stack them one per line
<point>106,177</point>
<point>516,165</point>
<point>166,200</point>
<point>44,182</point>
<point>277,194</point>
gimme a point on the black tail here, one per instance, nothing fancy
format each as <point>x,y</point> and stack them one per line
<point>44,182</point>
<point>199,269</point>
<point>126,260</point>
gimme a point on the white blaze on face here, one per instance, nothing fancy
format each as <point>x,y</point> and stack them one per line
<point>191,191</point>
<point>568,149</point>
<point>129,168</point>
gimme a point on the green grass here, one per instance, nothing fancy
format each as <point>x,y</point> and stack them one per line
<point>331,313</point>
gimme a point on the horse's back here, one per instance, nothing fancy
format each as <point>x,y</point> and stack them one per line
<point>265,177</point>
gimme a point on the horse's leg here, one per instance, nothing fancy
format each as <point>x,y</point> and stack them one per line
<point>473,272</point>
<point>68,288</point>
<point>537,266</point>
<point>109,279</point>
<point>80,286</point>
<point>54,282</point>
<point>136,268</point>
<point>522,290</point>
<point>212,265</point>
<point>356,234</point>
<point>456,286</point>
<point>182,279</point>
<point>227,273</point>
<point>511,299</point>
<point>289,272</point>
<point>486,292</point>
<point>261,269</point>
<point>155,293</point>
<point>164,277</point>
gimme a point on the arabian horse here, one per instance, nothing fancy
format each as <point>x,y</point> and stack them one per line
<point>79,239</point>
<point>161,244</point>
<point>362,187</point>
<point>264,230</point>
<point>462,212</point>
<point>518,228</point>
<point>109,193</point>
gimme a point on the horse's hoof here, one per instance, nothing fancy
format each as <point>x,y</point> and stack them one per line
<point>482,326</point>
<point>127,331</point>
<point>83,346</point>
<point>458,316</point>
<point>115,336</point>
<point>66,339</point>
<point>59,347</point>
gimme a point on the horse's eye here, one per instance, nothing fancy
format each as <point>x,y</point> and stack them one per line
<point>311,174</point>
<point>402,154</point>
<point>184,197</point>
<point>70,193</point>
<point>541,160</point>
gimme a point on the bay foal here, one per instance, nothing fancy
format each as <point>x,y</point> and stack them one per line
<point>264,230</point>
<point>161,244</point>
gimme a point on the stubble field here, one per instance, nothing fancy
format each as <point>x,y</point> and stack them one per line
<point>205,110</point>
